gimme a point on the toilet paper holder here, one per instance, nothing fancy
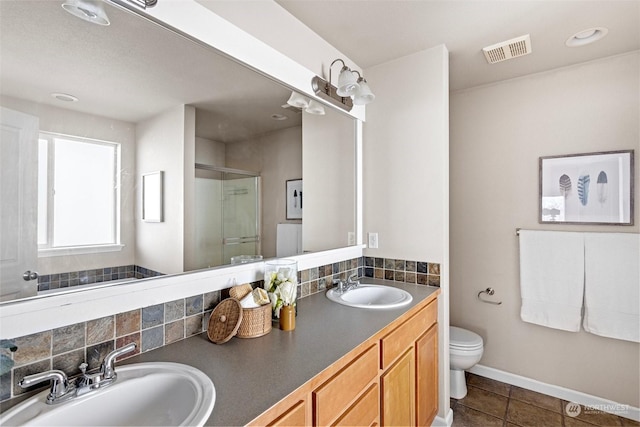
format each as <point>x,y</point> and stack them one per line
<point>488,291</point>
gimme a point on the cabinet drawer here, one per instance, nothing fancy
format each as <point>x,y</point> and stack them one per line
<point>364,412</point>
<point>397,341</point>
<point>332,398</point>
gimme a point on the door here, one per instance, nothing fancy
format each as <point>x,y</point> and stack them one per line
<point>427,376</point>
<point>240,214</point>
<point>398,392</point>
<point>19,204</point>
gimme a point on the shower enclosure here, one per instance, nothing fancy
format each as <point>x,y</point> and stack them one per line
<point>227,215</point>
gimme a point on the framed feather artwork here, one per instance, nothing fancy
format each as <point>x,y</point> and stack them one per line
<point>294,199</point>
<point>589,188</point>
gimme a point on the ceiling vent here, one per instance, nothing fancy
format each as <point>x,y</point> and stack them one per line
<point>508,49</point>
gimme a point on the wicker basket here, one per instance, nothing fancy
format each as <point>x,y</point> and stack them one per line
<point>256,322</point>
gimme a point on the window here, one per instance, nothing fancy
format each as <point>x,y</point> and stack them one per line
<point>78,193</point>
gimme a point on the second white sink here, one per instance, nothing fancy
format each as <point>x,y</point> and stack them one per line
<point>371,296</point>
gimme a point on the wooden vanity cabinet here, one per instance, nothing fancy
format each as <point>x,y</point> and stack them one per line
<point>427,377</point>
<point>398,392</point>
<point>333,399</point>
<point>390,380</point>
<point>294,416</point>
<point>409,359</point>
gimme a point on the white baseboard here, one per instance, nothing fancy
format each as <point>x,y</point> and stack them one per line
<point>443,422</point>
<point>569,395</point>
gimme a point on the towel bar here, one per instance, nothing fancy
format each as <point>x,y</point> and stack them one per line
<point>488,291</point>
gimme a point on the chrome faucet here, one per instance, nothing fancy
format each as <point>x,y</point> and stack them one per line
<point>62,389</point>
<point>351,283</point>
<point>107,374</point>
<point>343,286</point>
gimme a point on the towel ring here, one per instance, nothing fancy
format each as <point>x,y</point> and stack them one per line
<point>488,291</point>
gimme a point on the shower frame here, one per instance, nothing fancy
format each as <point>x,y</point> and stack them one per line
<point>257,238</point>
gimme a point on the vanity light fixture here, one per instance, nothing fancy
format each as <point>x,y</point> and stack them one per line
<point>587,36</point>
<point>309,105</point>
<point>87,10</point>
<point>349,92</point>
<point>315,108</point>
<point>297,100</point>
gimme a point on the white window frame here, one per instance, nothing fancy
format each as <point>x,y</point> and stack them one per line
<point>46,249</point>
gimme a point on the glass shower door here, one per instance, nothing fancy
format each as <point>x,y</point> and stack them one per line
<point>227,215</point>
<point>240,213</point>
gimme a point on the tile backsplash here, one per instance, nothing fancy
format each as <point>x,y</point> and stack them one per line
<point>99,275</point>
<point>151,327</point>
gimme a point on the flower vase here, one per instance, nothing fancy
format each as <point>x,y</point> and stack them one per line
<point>281,282</point>
<point>287,318</point>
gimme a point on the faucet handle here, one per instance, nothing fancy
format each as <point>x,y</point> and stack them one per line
<point>60,387</point>
<point>108,364</point>
<point>353,280</point>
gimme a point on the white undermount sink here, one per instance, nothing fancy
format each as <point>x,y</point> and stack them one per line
<point>149,394</point>
<point>372,296</point>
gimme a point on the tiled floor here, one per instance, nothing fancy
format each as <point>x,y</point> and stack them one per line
<point>492,403</point>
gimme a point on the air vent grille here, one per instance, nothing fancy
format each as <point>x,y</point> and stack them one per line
<point>508,49</point>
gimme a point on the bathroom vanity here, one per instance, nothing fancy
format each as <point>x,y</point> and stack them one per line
<point>340,366</point>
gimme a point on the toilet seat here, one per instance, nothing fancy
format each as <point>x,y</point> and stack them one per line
<point>462,339</point>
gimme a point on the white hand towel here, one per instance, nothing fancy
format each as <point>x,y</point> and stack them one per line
<point>552,278</point>
<point>612,285</point>
<point>248,301</point>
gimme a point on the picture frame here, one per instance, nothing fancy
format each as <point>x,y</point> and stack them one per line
<point>587,188</point>
<point>294,198</point>
<point>152,196</point>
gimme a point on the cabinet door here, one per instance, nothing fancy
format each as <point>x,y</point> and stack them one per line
<point>427,377</point>
<point>398,392</point>
<point>295,416</point>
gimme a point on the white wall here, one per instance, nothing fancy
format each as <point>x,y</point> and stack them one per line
<point>161,147</point>
<point>68,122</point>
<point>497,134</point>
<point>274,25</point>
<point>329,173</point>
<point>210,152</point>
<point>406,172</point>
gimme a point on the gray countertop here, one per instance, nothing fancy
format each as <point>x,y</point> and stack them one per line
<point>251,375</point>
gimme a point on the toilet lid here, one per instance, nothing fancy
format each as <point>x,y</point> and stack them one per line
<point>462,338</point>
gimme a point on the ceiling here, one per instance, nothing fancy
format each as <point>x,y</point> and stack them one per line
<point>374,32</point>
<point>131,70</point>
<point>43,49</point>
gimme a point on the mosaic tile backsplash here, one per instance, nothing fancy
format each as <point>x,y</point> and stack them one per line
<point>99,275</point>
<point>162,324</point>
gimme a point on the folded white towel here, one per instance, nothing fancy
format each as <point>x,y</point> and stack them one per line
<point>612,285</point>
<point>552,278</point>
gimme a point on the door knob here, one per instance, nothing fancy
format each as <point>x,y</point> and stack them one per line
<point>30,275</point>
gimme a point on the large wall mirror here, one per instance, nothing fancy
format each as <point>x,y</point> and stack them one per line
<point>88,110</point>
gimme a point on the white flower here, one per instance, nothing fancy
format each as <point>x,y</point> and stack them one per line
<point>287,291</point>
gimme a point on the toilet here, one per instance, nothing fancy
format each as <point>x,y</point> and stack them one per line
<point>465,350</point>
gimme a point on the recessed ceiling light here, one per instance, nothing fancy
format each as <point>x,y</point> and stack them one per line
<point>587,36</point>
<point>279,117</point>
<point>65,97</point>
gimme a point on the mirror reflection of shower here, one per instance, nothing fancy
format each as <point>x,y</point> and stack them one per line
<point>227,216</point>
